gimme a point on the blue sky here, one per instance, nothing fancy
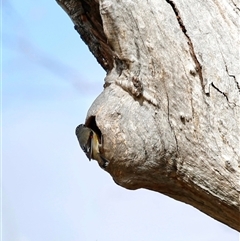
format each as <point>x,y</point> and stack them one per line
<point>50,190</point>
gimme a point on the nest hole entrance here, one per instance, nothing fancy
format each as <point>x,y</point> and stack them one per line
<point>91,123</point>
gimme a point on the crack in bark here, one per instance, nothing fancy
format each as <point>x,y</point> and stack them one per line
<point>236,7</point>
<point>216,88</point>
<point>191,48</point>
<point>225,95</point>
<point>232,76</point>
<point>226,68</point>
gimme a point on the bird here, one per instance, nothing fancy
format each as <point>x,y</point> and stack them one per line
<point>90,145</point>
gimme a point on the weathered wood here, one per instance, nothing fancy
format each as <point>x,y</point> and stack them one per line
<point>170,111</point>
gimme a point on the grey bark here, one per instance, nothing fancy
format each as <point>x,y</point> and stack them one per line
<point>169,114</point>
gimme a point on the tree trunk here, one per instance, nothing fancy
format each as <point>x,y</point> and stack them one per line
<point>169,112</point>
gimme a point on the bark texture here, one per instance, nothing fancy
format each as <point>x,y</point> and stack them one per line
<point>169,114</point>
